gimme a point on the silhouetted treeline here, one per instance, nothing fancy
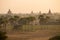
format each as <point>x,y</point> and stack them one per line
<point>17,21</point>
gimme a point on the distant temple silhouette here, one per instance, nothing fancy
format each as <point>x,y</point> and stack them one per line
<point>9,11</point>
<point>49,12</point>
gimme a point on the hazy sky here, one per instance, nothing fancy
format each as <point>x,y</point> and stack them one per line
<point>26,6</point>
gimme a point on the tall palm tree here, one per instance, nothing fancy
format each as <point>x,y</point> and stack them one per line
<point>3,22</point>
<point>14,21</point>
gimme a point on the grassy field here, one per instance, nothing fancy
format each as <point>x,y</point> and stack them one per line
<point>40,27</point>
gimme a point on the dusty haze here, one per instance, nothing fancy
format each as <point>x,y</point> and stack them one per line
<point>26,6</point>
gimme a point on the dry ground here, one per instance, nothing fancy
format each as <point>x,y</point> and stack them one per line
<point>38,35</point>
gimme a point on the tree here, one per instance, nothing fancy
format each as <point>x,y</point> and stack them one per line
<point>3,21</point>
<point>27,20</point>
<point>43,19</point>
<point>14,22</point>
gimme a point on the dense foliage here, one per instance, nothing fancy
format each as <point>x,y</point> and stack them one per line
<point>3,35</point>
<point>55,38</point>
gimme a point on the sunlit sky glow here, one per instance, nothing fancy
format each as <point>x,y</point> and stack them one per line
<point>26,6</point>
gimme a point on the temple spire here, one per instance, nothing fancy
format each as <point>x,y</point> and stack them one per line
<point>32,12</point>
<point>9,11</point>
<point>49,11</point>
